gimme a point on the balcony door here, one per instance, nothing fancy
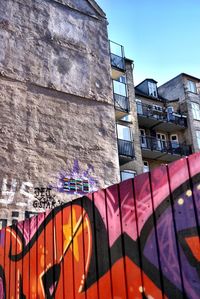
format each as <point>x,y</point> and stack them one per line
<point>139,106</point>
<point>170,114</point>
<point>175,146</point>
<point>161,141</point>
<point>174,141</point>
<point>143,139</point>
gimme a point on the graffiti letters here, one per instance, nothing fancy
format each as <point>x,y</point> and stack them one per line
<point>8,192</point>
<point>44,198</point>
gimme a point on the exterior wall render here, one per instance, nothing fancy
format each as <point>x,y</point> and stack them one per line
<point>56,109</point>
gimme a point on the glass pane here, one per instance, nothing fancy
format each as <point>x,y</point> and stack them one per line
<point>152,89</point>
<point>123,133</point>
<point>116,49</point>
<point>192,86</point>
<point>198,138</point>
<point>125,175</point>
<point>145,168</point>
<point>119,88</point>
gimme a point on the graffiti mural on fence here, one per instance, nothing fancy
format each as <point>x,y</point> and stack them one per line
<point>77,181</point>
<point>138,239</point>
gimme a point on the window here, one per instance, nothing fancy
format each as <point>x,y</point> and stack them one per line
<point>119,88</point>
<point>143,140</point>
<point>124,133</point>
<point>145,166</point>
<point>196,110</point>
<point>122,79</point>
<point>139,106</point>
<point>170,113</point>
<point>152,89</point>
<point>161,141</point>
<point>174,141</point>
<point>198,138</point>
<point>127,174</point>
<point>192,86</point>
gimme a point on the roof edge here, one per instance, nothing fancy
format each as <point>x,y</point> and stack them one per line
<point>100,11</point>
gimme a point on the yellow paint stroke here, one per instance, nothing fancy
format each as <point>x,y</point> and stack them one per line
<point>15,236</point>
<point>69,235</point>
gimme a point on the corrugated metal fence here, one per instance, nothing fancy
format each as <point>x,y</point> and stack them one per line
<point>138,239</point>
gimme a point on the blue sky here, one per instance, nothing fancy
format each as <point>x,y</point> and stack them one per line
<point>162,37</point>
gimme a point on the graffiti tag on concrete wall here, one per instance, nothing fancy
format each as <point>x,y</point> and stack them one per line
<point>44,199</point>
<point>8,192</point>
<point>76,181</point>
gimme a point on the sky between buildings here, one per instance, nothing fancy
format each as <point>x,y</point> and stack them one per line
<point>161,36</point>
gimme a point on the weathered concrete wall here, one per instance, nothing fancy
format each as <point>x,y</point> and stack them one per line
<point>55,99</point>
<point>54,46</point>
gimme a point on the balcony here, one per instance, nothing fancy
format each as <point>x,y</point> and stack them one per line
<point>120,99</point>
<point>117,60</point>
<point>157,149</point>
<point>125,150</point>
<point>121,104</point>
<point>152,116</point>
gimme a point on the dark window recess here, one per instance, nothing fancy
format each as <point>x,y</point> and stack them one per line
<point>29,214</point>
<point>3,222</point>
<point>15,214</point>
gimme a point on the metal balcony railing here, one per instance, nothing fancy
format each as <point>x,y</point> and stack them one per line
<point>117,56</point>
<point>117,62</point>
<point>171,147</point>
<point>126,148</point>
<point>158,114</point>
<point>121,102</point>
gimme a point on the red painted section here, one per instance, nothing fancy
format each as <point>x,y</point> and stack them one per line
<point>137,239</point>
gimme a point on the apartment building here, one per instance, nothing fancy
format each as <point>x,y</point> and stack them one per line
<point>163,126</point>
<point>184,92</point>
<point>154,125</point>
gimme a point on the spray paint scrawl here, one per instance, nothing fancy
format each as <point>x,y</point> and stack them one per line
<point>76,181</point>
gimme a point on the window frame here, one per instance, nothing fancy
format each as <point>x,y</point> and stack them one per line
<point>190,85</point>
<point>127,171</point>
<point>130,133</point>
<point>152,89</point>
<point>198,138</point>
<point>195,112</point>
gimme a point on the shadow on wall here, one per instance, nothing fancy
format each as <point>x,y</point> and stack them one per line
<point>138,239</point>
